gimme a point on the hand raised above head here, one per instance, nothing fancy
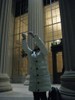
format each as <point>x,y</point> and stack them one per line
<point>24,35</point>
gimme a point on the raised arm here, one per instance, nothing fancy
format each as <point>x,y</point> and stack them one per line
<point>24,44</point>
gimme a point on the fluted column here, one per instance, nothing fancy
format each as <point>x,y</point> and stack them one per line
<point>6,8</point>
<point>35,21</point>
<point>35,18</point>
<point>67,9</point>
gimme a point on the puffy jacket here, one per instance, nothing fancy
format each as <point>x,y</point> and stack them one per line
<point>38,67</point>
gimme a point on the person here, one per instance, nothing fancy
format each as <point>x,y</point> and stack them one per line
<point>39,82</point>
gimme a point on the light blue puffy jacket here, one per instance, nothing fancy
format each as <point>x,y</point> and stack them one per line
<point>38,67</point>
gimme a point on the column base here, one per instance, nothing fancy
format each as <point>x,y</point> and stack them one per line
<point>65,97</point>
<point>4,83</point>
<point>26,82</point>
<point>67,88</point>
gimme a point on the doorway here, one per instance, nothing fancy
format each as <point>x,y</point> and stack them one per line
<point>57,61</point>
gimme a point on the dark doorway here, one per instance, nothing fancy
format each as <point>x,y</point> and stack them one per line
<point>57,59</point>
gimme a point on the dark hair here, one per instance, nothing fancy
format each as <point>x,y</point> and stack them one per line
<point>36,48</point>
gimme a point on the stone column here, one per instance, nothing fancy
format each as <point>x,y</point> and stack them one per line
<point>4,31</point>
<point>67,10</point>
<point>35,21</point>
<point>35,18</point>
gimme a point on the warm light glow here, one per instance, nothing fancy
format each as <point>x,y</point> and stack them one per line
<point>58,41</point>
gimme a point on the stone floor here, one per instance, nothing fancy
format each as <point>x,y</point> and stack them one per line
<point>19,92</point>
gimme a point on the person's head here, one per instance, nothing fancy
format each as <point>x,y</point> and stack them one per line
<point>36,48</point>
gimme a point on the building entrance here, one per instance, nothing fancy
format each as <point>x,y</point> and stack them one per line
<point>57,60</point>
